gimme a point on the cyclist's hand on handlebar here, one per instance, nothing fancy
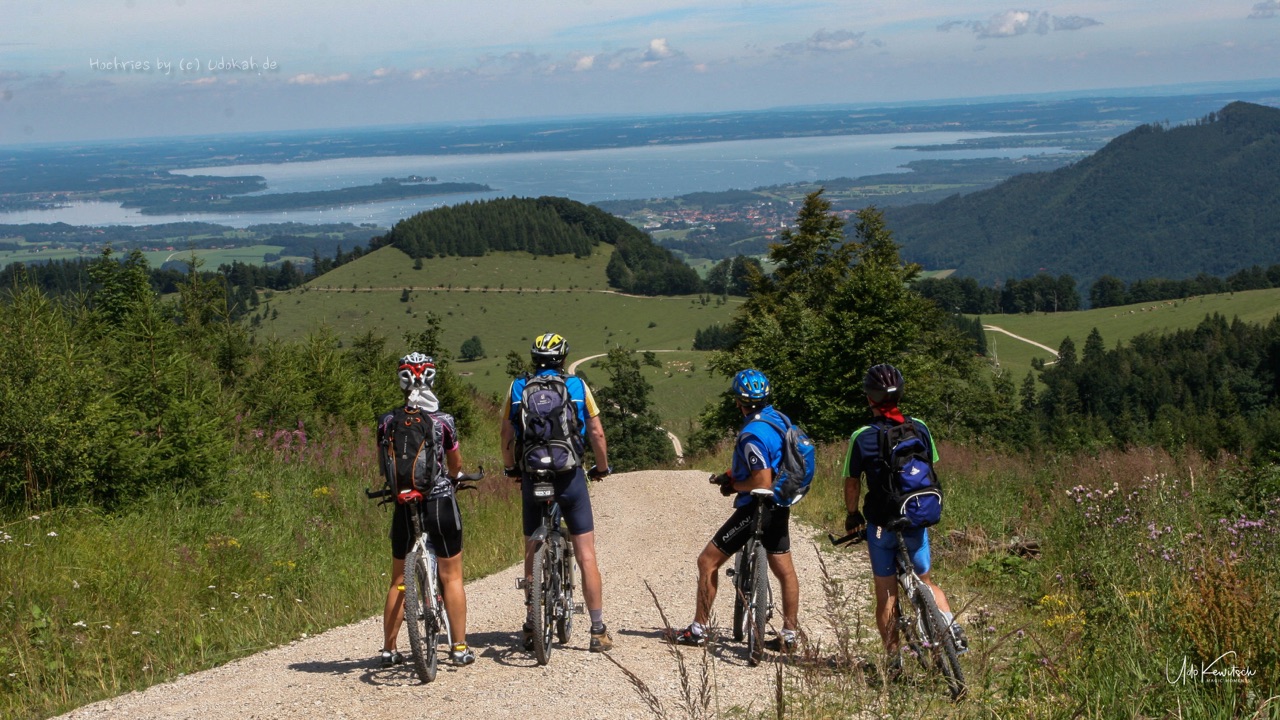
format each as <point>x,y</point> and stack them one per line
<point>596,473</point>
<point>854,521</point>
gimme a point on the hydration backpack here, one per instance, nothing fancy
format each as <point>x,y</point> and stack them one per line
<point>549,439</point>
<point>409,441</point>
<point>795,472</point>
<point>914,491</point>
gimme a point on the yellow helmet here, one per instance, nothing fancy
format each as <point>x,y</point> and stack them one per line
<point>549,350</point>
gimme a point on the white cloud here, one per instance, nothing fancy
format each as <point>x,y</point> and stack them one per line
<point>824,41</point>
<point>658,51</point>
<point>313,79</point>
<point>1012,23</point>
<point>383,72</point>
<point>201,81</point>
<point>584,63</point>
<point>1265,9</point>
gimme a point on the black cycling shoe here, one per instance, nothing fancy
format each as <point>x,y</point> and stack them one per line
<point>389,658</point>
<point>528,636</point>
<point>686,636</point>
<point>782,643</point>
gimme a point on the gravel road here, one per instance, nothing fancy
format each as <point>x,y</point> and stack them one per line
<point>650,527</point>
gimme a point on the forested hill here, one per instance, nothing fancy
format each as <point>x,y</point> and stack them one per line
<point>545,226</point>
<point>1155,202</point>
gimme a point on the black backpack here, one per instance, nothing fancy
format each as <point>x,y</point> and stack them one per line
<point>409,445</point>
<point>549,434</point>
<point>913,489</point>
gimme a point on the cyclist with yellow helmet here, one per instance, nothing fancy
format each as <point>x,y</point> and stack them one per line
<point>563,406</point>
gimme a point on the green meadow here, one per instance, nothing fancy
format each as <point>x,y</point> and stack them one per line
<point>1118,324</point>
<point>561,294</point>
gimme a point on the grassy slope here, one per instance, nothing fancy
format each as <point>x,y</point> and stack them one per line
<point>506,320</point>
<point>1117,324</point>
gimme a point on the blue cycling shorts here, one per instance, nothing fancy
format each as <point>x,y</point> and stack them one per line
<point>571,496</point>
<point>883,547</point>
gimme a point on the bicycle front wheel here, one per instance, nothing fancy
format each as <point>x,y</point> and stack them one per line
<point>564,623</point>
<point>758,608</point>
<point>420,613</point>
<point>543,600</point>
<point>942,644</point>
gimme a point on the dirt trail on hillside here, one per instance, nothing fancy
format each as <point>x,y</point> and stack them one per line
<point>650,527</point>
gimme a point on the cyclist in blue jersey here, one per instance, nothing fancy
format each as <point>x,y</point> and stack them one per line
<point>549,352</point>
<point>883,387</point>
<point>757,453</point>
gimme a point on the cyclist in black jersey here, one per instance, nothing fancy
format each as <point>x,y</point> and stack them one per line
<point>417,377</point>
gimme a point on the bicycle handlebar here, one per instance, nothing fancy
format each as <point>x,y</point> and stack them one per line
<point>461,482</point>
<point>852,538</point>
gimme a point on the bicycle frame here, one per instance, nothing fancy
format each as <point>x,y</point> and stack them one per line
<point>551,594</point>
<point>753,604</point>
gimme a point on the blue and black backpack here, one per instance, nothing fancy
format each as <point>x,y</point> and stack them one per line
<point>795,471</point>
<point>913,486</point>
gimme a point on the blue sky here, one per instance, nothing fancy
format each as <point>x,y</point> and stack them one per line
<point>81,69</point>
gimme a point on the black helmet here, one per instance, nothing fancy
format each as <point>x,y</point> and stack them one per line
<point>883,385</point>
<point>549,350</point>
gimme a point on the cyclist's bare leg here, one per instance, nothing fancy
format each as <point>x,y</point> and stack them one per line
<point>785,570</point>
<point>886,611</point>
<point>709,563</point>
<point>455,596</point>
<point>938,596</point>
<point>584,547</point>
<point>393,612</point>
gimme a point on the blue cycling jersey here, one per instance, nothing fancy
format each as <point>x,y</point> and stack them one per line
<point>759,446</point>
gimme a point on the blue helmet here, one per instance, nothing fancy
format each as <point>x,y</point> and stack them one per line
<point>750,387</point>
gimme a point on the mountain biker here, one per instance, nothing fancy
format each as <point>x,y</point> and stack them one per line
<point>548,353</point>
<point>756,455</point>
<point>443,522</point>
<point>883,386</point>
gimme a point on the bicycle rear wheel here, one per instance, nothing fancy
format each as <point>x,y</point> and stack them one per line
<point>758,609</point>
<point>420,613</point>
<point>543,601</point>
<point>942,644</point>
<point>741,588</point>
<point>910,635</point>
<point>564,622</point>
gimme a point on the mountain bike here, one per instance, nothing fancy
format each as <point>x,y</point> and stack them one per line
<point>921,626</point>
<point>753,598</point>
<point>424,610</point>
<point>551,591</point>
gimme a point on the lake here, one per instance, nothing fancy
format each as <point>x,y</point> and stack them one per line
<point>584,175</point>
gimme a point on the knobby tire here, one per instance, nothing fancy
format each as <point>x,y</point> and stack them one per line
<point>543,599</point>
<point>909,634</point>
<point>420,614</point>
<point>564,623</point>
<point>942,643</point>
<point>758,611</point>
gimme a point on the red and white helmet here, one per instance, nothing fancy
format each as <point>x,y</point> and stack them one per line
<point>417,370</point>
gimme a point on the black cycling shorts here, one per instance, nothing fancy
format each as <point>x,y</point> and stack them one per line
<point>571,496</point>
<point>733,535</point>
<point>443,526</point>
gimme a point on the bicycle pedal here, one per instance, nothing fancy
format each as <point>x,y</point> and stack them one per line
<point>579,608</point>
<point>522,583</point>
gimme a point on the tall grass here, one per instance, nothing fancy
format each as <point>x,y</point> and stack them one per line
<point>95,604</point>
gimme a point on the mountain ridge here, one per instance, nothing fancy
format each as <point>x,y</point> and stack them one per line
<point>1155,202</point>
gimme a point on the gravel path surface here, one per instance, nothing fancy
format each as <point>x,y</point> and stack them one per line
<point>650,527</point>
